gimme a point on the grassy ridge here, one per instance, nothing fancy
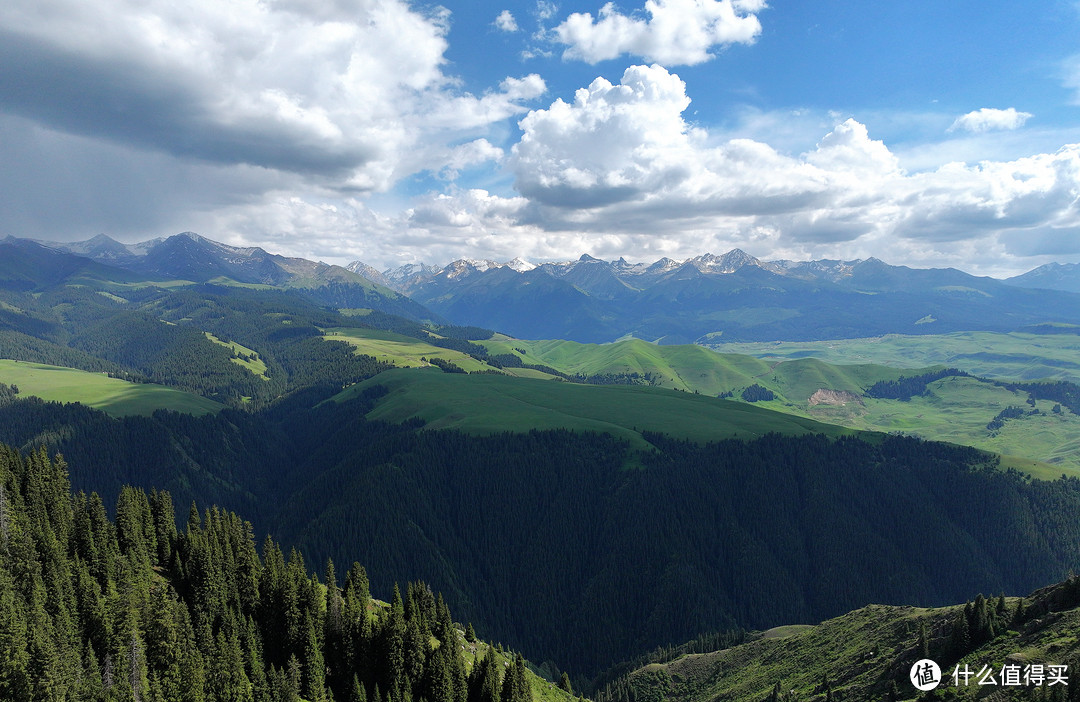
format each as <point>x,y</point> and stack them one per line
<point>862,653</point>
<point>253,364</point>
<point>490,404</point>
<point>684,367</point>
<point>696,368</point>
<point>117,397</point>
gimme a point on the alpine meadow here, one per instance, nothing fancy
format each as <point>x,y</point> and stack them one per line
<point>670,351</point>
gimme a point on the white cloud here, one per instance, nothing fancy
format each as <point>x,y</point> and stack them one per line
<point>347,92</point>
<point>676,32</point>
<point>545,10</point>
<point>469,154</point>
<point>612,144</point>
<point>989,119</point>
<point>622,164</point>
<point>506,22</point>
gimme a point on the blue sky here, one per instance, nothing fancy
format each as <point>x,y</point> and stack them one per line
<point>924,133</point>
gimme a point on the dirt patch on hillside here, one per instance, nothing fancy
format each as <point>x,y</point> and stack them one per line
<point>823,396</point>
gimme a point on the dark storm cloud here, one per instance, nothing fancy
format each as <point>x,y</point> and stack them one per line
<point>151,107</point>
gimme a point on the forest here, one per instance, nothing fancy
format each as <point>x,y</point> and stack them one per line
<point>135,609</point>
<point>528,535</point>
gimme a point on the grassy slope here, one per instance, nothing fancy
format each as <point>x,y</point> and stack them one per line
<point>681,367</point>
<point>955,410</point>
<point>860,652</point>
<point>403,351</point>
<point>987,354</point>
<point>492,403</point>
<point>407,352</point>
<point>958,409</point>
<point>115,396</point>
<point>255,365</point>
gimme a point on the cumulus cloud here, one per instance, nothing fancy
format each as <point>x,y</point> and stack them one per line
<point>621,163</point>
<point>676,32</point>
<point>345,92</point>
<point>613,143</point>
<point>989,119</point>
<point>506,22</point>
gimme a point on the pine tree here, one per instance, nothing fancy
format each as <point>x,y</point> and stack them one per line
<point>960,639</point>
<point>357,694</point>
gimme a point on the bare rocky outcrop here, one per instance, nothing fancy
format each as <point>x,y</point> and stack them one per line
<point>824,396</point>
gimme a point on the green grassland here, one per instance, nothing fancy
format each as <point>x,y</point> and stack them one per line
<point>112,395</point>
<point>487,404</point>
<point>253,363</point>
<point>685,367</point>
<point>695,368</point>
<point>957,410</point>
<point>988,354</point>
<point>954,409</point>
<point>402,351</point>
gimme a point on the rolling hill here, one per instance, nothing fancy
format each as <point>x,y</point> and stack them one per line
<point>117,397</point>
<point>954,409</point>
<point>1004,356</point>
<point>490,404</point>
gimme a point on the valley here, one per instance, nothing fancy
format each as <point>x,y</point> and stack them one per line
<point>717,489</point>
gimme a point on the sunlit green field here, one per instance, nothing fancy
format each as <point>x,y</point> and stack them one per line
<point>402,351</point>
<point>253,364</point>
<point>115,396</point>
<point>487,404</point>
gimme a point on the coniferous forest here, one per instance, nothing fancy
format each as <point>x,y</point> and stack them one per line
<point>135,609</point>
<point>573,547</point>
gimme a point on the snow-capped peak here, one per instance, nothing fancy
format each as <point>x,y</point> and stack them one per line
<point>520,265</point>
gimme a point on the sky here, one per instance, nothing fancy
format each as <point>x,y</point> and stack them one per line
<point>928,134</point>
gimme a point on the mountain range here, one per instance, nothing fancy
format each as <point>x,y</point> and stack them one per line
<point>194,259</point>
<point>705,299</point>
<point>733,297</point>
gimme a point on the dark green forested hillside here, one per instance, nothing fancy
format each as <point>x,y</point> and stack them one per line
<point>137,610</point>
<point>596,562</point>
<point>545,540</point>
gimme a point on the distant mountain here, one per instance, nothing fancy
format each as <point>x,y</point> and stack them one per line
<point>29,265</point>
<point>733,297</point>
<point>372,274</point>
<point>194,258</point>
<point>1052,276</point>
